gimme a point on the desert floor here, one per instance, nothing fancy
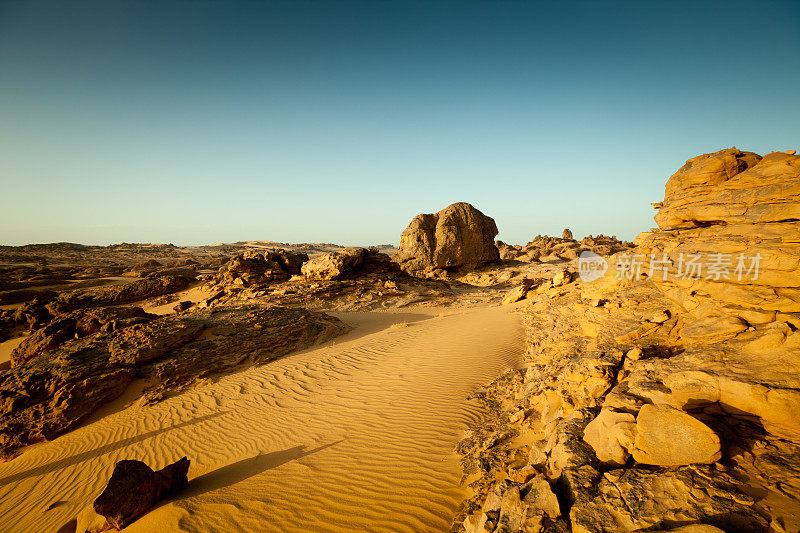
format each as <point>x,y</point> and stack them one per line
<point>355,435</point>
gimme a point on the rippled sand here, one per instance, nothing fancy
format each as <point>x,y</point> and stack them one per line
<point>357,435</point>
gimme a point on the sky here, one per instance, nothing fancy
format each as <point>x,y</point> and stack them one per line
<point>199,122</point>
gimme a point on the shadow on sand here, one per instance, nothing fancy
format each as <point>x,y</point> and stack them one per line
<point>244,469</point>
<point>84,456</point>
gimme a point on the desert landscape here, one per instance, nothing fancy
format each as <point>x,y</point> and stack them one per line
<point>459,384</point>
<point>344,266</point>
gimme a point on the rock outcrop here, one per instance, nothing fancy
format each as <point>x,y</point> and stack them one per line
<point>255,268</point>
<point>652,402</point>
<point>347,262</point>
<point>116,294</point>
<point>77,324</point>
<point>728,241</point>
<point>457,237</point>
<point>53,392</point>
<point>545,249</point>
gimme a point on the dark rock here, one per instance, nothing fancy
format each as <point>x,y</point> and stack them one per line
<point>116,294</point>
<point>78,324</point>
<point>134,488</point>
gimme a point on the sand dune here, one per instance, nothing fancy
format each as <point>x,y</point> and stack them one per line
<point>353,436</point>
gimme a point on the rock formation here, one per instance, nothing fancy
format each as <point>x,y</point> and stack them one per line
<point>348,262</point>
<point>116,294</point>
<point>457,237</point>
<point>256,268</point>
<point>652,401</point>
<point>53,392</point>
<point>728,241</point>
<point>77,324</point>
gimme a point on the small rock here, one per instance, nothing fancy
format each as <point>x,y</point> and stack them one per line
<point>659,318</point>
<point>562,278</point>
<point>634,354</point>
<point>134,488</point>
<point>516,417</point>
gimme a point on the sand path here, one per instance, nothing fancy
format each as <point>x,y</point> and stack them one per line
<point>357,435</point>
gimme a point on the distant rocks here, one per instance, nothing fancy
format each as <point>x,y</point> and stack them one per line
<point>544,249</point>
<point>457,237</point>
<point>566,234</point>
<point>134,488</point>
<point>255,268</point>
<point>337,264</point>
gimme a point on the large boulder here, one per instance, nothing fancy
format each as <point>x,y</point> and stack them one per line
<point>457,237</point>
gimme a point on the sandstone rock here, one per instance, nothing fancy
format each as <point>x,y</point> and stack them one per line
<point>562,278</point>
<point>634,354</point>
<point>457,237</point>
<point>611,435</point>
<point>566,234</point>
<point>255,268</point>
<point>333,265</point>
<point>738,213</point>
<point>76,324</point>
<point>519,292</point>
<point>637,500</point>
<point>666,436</point>
<point>693,528</point>
<point>713,329</point>
<point>134,488</point>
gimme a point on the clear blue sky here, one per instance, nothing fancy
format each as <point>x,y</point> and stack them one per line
<point>206,121</point>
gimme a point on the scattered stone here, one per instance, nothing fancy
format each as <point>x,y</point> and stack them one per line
<point>519,292</point>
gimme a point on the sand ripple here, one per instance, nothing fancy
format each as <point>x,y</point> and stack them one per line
<point>354,436</point>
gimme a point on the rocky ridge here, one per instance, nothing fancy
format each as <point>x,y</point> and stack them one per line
<point>649,403</point>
